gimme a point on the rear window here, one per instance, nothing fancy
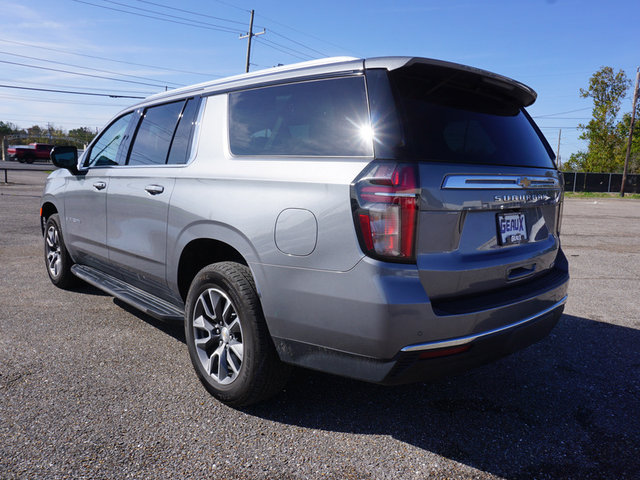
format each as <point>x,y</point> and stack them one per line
<point>316,118</point>
<point>450,116</point>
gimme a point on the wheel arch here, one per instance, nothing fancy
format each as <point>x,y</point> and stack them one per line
<point>46,210</point>
<point>199,253</point>
<point>201,244</point>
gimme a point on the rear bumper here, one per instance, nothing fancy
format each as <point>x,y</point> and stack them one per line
<point>416,363</point>
<point>376,322</point>
<point>428,361</point>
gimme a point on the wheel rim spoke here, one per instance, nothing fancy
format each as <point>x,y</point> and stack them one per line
<point>218,336</point>
<point>237,349</point>
<point>203,323</point>
<point>227,312</point>
<point>216,300</point>
<point>52,244</point>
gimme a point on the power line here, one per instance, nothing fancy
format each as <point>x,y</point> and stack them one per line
<point>70,92</point>
<point>81,74</point>
<point>48,85</point>
<point>303,33</point>
<point>23,98</point>
<point>192,12</point>
<point>189,23</point>
<point>562,113</point>
<point>107,59</point>
<point>298,43</point>
<point>562,118</point>
<point>25,119</point>
<point>200,14</point>
<point>233,6</point>
<point>205,25</point>
<point>168,15</point>
<point>290,49</point>
<point>88,68</point>
<point>547,128</point>
<point>275,46</point>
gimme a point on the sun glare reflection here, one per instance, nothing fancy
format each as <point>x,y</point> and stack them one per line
<point>366,133</point>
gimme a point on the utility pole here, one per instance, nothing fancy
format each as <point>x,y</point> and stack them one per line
<point>249,36</point>
<point>558,161</point>
<point>633,119</point>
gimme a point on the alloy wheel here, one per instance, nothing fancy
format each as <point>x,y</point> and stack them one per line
<point>217,331</point>
<point>54,255</point>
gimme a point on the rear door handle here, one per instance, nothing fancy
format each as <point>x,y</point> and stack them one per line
<point>154,189</point>
<point>100,185</point>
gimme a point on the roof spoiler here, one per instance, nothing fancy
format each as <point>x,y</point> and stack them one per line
<point>516,90</point>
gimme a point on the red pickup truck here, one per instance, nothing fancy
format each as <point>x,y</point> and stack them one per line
<point>29,153</point>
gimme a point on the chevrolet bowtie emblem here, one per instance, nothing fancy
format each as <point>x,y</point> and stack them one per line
<point>524,182</point>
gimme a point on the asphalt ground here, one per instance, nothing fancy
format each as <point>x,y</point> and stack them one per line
<point>92,389</point>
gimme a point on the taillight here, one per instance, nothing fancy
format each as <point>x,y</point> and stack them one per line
<point>385,210</point>
<point>559,210</point>
<point>560,205</point>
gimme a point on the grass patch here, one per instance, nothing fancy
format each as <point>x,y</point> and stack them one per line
<point>635,196</point>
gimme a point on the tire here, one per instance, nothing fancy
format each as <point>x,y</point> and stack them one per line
<point>56,256</point>
<point>29,160</point>
<point>228,340</point>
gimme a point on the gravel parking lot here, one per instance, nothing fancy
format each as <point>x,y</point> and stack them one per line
<point>90,388</point>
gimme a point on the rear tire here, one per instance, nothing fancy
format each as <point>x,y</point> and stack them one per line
<point>56,256</point>
<point>227,336</point>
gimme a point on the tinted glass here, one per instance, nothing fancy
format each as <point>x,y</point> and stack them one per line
<point>318,118</point>
<point>151,144</point>
<point>184,134</point>
<point>105,150</point>
<point>465,120</point>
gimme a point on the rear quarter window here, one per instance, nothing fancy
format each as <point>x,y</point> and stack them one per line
<point>315,118</point>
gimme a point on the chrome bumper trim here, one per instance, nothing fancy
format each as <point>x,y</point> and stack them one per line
<point>454,342</point>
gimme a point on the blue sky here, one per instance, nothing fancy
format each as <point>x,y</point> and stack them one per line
<point>552,46</point>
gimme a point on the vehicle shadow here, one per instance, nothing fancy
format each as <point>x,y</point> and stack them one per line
<point>86,289</point>
<point>171,328</point>
<point>566,407</point>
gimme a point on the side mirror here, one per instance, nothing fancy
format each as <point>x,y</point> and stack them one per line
<point>65,157</point>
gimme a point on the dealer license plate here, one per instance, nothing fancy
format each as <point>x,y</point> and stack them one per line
<point>512,228</point>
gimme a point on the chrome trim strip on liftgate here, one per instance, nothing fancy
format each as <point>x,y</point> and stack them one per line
<point>493,182</point>
<point>454,342</point>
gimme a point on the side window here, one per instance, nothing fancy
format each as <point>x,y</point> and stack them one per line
<point>180,147</point>
<point>156,129</point>
<point>316,118</point>
<point>105,151</point>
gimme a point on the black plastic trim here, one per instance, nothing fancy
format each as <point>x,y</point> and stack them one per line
<point>143,301</point>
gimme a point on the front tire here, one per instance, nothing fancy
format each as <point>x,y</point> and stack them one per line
<point>56,256</point>
<point>228,340</point>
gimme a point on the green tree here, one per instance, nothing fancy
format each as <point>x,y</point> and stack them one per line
<point>7,128</point>
<point>81,136</point>
<point>605,151</point>
<point>623,131</point>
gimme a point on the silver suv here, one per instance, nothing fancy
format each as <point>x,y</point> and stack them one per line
<point>389,219</point>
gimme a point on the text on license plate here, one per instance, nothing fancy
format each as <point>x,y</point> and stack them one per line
<point>512,228</point>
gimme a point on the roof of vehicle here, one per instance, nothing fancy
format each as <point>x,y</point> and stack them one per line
<point>524,94</point>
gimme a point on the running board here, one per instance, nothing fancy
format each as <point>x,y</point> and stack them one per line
<point>149,304</point>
